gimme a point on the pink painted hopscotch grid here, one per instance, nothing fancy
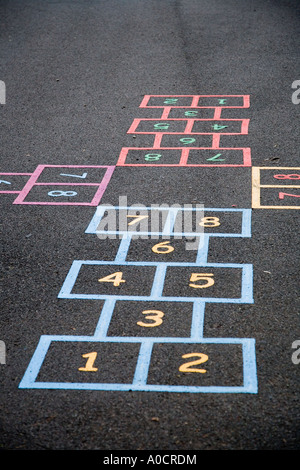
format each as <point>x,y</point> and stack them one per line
<point>216,117</point>
<point>195,101</point>
<point>7,191</point>
<point>184,157</point>
<point>35,175</point>
<point>189,126</point>
<point>188,131</point>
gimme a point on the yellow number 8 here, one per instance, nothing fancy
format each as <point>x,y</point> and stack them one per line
<point>210,222</point>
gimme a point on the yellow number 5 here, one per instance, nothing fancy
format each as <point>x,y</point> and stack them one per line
<point>207,277</point>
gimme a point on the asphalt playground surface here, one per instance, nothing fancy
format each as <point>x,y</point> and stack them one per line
<point>84,368</point>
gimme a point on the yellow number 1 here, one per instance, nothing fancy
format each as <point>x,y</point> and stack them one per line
<point>89,367</point>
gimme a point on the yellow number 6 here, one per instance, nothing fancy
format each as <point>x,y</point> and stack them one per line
<point>162,248</point>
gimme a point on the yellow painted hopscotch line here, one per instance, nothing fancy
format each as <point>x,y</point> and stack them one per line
<point>256,187</point>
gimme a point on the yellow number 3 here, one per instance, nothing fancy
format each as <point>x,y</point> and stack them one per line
<point>156,317</point>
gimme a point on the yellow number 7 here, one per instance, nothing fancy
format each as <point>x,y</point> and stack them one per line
<point>137,218</point>
<point>207,277</point>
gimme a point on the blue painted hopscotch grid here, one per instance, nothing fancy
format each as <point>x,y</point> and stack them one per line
<point>143,361</point>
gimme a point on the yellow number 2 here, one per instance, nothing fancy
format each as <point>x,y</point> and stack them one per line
<point>187,367</point>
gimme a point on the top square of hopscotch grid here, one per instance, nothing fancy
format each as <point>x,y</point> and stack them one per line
<point>195,101</point>
<point>169,226</point>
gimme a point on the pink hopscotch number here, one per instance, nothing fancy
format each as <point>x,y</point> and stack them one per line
<point>282,195</point>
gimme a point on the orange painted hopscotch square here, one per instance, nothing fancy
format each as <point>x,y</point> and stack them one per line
<point>285,175</point>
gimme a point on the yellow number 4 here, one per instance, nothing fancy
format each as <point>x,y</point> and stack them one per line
<point>115,278</point>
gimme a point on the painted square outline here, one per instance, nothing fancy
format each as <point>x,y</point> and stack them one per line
<point>35,175</point>
<point>167,230</point>
<point>196,327</point>
<point>12,174</point>
<point>195,100</point>
<point>246,295</point>
<point>188,128</point>
<point>139,382</point>
<point>185,156</point>
<point>256,185</point>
